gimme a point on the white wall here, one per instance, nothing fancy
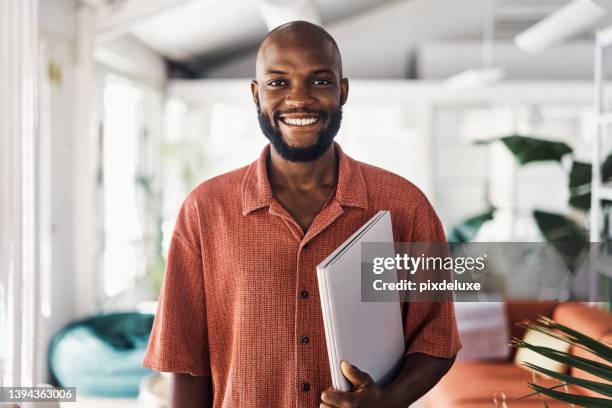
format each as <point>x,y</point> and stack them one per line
<point>130,58</point>
<point>22,202</point>
<point>57,19</point>
<point>440,60</point>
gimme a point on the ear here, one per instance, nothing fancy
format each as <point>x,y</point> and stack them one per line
<point>344,90</point>
<point>255,91</point>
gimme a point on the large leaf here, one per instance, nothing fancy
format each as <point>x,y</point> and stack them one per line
<point>598,387</point>
<point>467,230</point>
<point>590,366</point>
<point>568,238</point>
<point>580,185</point>
<point>580,182</point>
<point>581,400</point>
<point>557,227</point>
<point>529,149</point>
<point>606,169</point>
<point>601,370</point>
<point>574,337</point>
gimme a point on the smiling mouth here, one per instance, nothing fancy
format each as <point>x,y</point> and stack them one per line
<point>300,121</point>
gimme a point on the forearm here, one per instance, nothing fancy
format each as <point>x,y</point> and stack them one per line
<point>418,375</point>
<point>187,391</point>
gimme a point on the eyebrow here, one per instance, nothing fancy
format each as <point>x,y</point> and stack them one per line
<point>276,72</point>
<point>315,72</point>
<point>323,71</point>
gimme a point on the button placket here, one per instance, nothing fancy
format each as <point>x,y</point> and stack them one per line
<point>303,351</point>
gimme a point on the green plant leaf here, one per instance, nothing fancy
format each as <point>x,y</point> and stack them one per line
<point>601,370</point>
<point>590,366</point>
<point>606,169</point>
<point>598,387</point>
<point>467,230</point>
<point>568,238</point>
<point>581,400</point>
<point>536,393</point>
<point>580,185</point>
<point>529,149</point>
<point>573,337</point>
<point>580,182</point>
<point>557,227</point>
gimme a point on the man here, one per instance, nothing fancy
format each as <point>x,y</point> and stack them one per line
<point>239,320</point>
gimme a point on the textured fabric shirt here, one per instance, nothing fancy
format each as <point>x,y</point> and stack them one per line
<point>240,301</point>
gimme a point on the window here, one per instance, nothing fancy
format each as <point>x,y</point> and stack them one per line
<point>122,225</point>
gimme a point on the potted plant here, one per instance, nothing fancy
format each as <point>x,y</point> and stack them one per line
<point>561,392</point>
<point>565,233</point>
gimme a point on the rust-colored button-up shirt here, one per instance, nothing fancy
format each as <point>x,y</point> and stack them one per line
<point>240,300</point>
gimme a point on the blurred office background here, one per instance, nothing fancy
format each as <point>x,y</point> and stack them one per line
<point>118,108</point>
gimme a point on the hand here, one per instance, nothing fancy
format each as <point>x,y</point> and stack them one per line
<point>365,392</point>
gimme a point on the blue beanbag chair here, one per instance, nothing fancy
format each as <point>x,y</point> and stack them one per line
<point>102,355</point>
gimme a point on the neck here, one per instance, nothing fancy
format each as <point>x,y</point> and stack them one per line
<point>303,176</point>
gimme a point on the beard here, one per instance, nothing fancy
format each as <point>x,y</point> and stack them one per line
<point>301,154</point>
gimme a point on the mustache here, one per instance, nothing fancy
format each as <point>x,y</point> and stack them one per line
<point>322,114</point>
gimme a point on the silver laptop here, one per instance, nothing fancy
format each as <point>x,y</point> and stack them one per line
<point>369,335</point>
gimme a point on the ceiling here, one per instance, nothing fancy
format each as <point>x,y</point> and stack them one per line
<point>220,37</point>
<point>208,32</point>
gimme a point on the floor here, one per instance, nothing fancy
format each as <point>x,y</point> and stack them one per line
<point>93,402</point>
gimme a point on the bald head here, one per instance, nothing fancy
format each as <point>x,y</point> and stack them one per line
<point>300,35</point>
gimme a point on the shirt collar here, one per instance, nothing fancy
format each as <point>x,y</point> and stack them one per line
<point>257,193</point>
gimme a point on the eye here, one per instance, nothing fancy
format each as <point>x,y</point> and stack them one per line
<point>321,82</point>
<point>277,82</point>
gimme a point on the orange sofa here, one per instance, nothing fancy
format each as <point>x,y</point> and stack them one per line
<point>473,384</point>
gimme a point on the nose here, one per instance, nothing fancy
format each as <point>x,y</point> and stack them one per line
<point>298,97</point>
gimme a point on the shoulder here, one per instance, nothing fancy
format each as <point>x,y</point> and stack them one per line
<point>390,188</point>
<point>213,196</point>
<point>414,217</point>
<point>218,187</point>
<point>222,188</point>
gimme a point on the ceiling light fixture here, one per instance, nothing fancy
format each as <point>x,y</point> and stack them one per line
<point>569,20</point>
<point>475,78</point>
<point>487,74</point>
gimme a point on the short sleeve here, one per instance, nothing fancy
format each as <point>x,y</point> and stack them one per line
<point>179,338</point>
<point>429,327</point>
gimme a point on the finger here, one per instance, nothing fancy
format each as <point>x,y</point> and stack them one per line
<point>324,405</point>
<point>358,378</point>
<point>335,398</point>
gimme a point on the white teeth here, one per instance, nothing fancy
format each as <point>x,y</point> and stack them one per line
<point>299,122</point>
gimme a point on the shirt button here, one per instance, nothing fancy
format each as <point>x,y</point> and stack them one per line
<point>305,387</point>
<point>304,294</point>
<point>304,339</point>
